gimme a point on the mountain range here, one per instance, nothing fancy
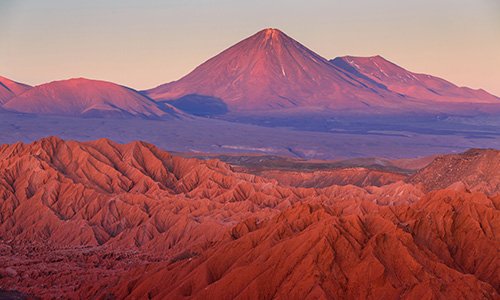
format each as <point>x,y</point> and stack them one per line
<point>266,73</point>
<point>270,71</point>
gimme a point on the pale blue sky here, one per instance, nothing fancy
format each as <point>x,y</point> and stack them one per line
<point>143,43</point>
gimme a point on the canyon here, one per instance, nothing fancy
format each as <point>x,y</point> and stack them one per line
<point>105,220</point>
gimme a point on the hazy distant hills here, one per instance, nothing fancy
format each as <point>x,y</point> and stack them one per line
<point>87,98</point>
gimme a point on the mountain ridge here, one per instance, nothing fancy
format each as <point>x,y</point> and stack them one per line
<point>147,223</point>
<point>9,89</point>
<point>264,74</point>
<point>411,84</point>
<point>88,98</point>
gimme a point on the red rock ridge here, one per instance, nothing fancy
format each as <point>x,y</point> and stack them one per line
<point>100,219</point>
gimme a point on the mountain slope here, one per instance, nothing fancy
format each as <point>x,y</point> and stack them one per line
<point>413,85</point>
<point>71,180</point>
<point>271,71</point>
<point>9,89</point>
<point>477,170</point>
<point>85,97</point>
<point>101,192</point>
<point>427,250</point>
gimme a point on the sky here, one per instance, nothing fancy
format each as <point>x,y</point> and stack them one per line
<point>144,43</point>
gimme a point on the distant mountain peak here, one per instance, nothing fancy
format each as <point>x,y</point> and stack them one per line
<point>10,88</point>
<point>82,81</point>
<point>271,71</point>
<point>271,32</point>
<point>412,85</point>
<point>377,60</point>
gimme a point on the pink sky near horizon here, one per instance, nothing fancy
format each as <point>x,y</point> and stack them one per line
<point>142,44</point>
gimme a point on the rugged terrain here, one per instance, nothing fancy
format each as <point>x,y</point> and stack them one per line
<point>107,220</point>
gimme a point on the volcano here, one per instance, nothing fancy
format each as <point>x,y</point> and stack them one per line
<point>87,98</point>
<point>410,84</point>
<point>272,71</point>
<point>9,89</point>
